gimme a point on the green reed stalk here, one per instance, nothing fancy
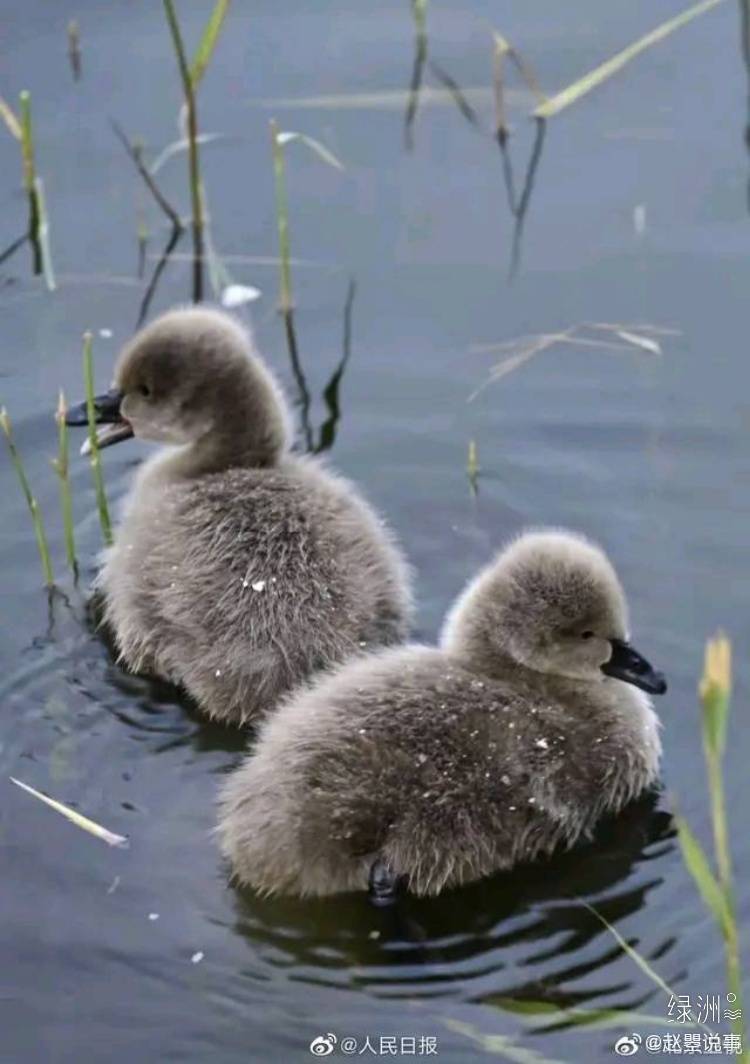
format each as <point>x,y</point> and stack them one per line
<point>715,693</point>
<point>715,888</point>
<point>36,516</point>
<point>38,225</point>
<point>29,176</point>
<point>62,468</point>
<point>188,89</point>
<point>96,462</point>
<point>282,218</point>
<point>419,14</point>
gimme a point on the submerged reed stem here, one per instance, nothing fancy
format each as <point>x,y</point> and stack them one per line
<point>29,177</point>
<point>36,516</point>
<point>282,219</point>
<point>96,462</point>
<point>74,49</point>
<point>62,468</point>
<point>188,89</point>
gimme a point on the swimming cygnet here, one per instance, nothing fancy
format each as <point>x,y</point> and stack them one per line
<point>430,767</point>
<point>238,568</point>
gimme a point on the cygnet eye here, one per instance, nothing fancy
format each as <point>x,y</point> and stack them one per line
<point>144,390</point>
<point>587,635</point>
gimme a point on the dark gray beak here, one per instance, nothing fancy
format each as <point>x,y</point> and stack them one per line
<point>106,413</point>
<point>628,665</point>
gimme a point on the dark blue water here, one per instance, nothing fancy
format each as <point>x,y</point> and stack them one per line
<point>638,215</point>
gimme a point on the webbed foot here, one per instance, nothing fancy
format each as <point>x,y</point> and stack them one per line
<point>384,885</point>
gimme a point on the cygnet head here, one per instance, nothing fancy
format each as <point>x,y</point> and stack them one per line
<point>550,602</point>
<point>191,377</point>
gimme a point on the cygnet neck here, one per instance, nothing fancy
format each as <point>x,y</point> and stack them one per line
<point>221,450</point>
<point>249,429</point>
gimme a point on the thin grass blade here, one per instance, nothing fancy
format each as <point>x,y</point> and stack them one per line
<point>62,468</point>
<point>596,77</point>
<point>700,869</point>
<point>634,955</point>
<point>282,217</point>
<point>546,1013</point>
<point>80,821</point>
<point>499,1044</point>
<point>178,146</point>
<point>315,146</point>
<point>27,143</point>
<point>8,116</point>
<point>636,340</point>
<point>207,43</point>
<point>36,516</point>
<point>393,99</point>
<point>95,457</point>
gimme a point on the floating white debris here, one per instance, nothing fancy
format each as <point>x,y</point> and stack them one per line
<point>374,934</point>
<point>106,334</point>
<point>505,780</point>
<point>218,672</point>
<point>542,744</point>
<point>246,583</point>
<point>80,821</point>
<point>259,585</point>
<point>197,957</point>
<point>153,916</point>
<point>235,295</point>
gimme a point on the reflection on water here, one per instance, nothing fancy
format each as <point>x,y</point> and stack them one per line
<point>519,205</point>
<point>457,94</point>
<point>156,275</point>
<point>13,247</point>
<point>331,392</point>
<point>419,12</point>
<point>461,943</point>
<point>331,395</point>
